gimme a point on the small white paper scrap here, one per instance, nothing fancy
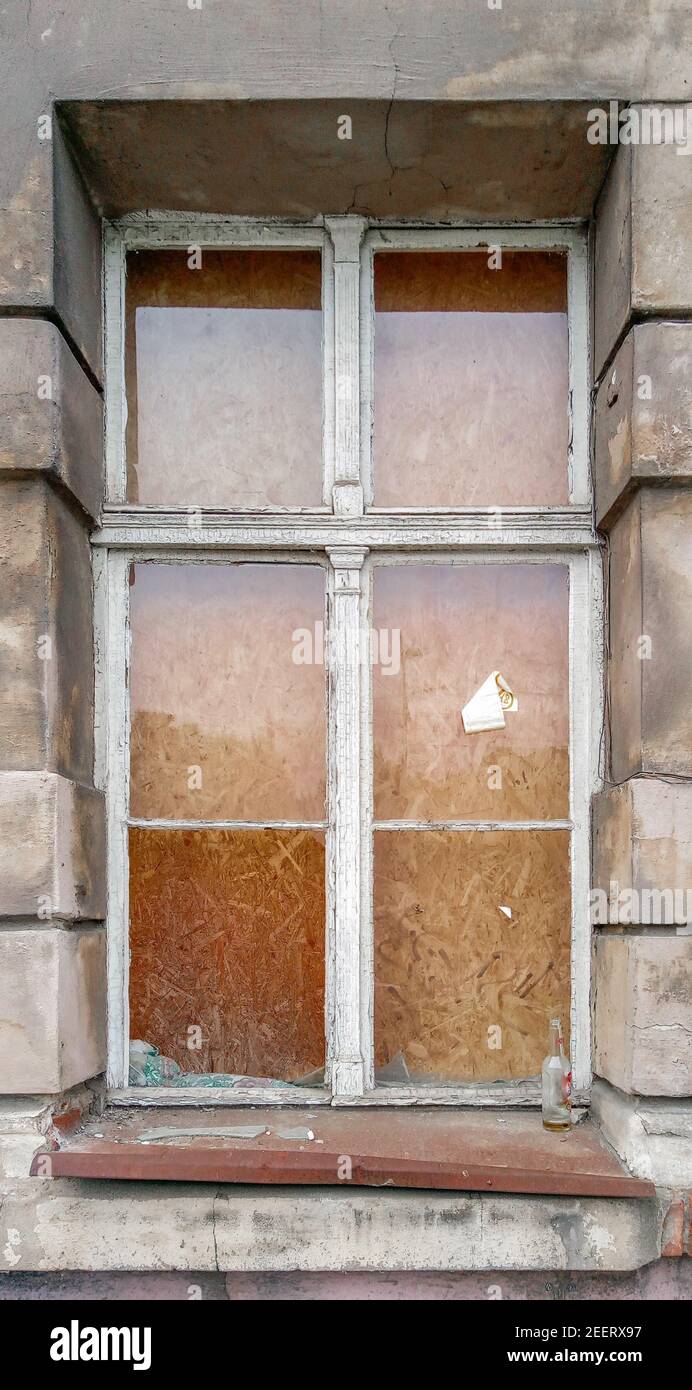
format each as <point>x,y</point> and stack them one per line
<point>487,708</point>
<point>507,910</point>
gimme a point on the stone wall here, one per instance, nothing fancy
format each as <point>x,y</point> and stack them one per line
<point>643,467</point>
<point>92,121</point>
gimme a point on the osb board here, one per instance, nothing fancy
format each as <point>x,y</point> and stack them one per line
<point>458,623</point>
<point>525,282</point>
<point>225,725</point>
<point>465,992</point>
<point>224,378</point>
<point>471,379</point>
<point>227,933</point>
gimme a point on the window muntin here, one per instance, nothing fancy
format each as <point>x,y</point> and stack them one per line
<point>343,541</point>
<point>223,364</point>
<point>470,378</point>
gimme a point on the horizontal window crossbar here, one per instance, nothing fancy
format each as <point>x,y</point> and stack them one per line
<point>139,824</point>
<point>472,825</point>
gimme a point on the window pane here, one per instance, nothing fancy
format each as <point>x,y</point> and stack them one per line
<point>224,378</point>
<point>225,723</point>
<point>464,991</point>
<point>227,937</point>
<point>471,379</point>
<point>458,624</point>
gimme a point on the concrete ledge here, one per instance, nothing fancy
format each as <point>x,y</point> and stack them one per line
<point>50,414</point>
<point>69,1224</point>
<point>643,1014</point>
<point>52,1008</point>
<point>282,158</point>
<point>52,848</point>
<point>644,416</point>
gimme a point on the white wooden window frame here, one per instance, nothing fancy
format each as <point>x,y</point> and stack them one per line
<point>349,538</point>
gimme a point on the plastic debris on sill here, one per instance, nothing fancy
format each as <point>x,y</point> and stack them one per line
<point>228,1079</point>
<point>488,707</point>
<point>149,1068</point>
<point>296,1133</point>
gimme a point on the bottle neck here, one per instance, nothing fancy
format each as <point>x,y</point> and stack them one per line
<point>557,1041</point>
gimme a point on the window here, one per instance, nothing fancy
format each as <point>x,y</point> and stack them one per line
<point>348,600</point>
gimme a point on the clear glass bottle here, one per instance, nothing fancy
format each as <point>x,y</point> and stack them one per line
<point>556,1082</point>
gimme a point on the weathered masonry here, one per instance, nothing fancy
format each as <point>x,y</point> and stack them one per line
<point>309,426</point>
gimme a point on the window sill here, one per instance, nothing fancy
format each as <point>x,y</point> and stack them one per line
<point>463,1151</point>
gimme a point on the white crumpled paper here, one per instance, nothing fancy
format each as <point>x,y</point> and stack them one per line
<point>487,708</point>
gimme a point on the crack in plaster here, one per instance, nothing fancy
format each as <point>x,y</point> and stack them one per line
<point>660,1027</point>
<point>393,170</point>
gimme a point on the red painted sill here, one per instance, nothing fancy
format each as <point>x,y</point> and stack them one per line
<point>450,1150</point>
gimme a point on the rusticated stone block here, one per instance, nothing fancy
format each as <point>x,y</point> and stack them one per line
<point>77,255</point>
<point>642,843</point>
<point>644,416</point>
<point>643,1013</point>
<point>52,848</point>
<point>50,414</point>
<point>50,233</point>
<point>613,256</point>
<point>650,600</point>
<point>661,225</point>
<point>52,1008</point>
<point>46,634</point>
<point>643,259</point>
